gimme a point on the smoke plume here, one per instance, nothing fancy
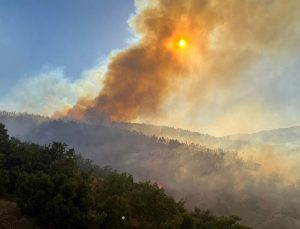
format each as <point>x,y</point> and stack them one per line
<point>51,90</point>
<point>222,40</point>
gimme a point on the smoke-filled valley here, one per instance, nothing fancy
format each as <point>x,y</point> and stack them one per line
<point>265,193</point>
<point>200,97</point>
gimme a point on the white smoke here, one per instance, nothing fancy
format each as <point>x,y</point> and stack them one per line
<point>51,90</point>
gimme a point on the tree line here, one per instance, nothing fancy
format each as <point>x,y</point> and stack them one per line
<point>60,189</point>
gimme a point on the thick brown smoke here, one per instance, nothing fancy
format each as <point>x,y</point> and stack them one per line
<point>222,39</point>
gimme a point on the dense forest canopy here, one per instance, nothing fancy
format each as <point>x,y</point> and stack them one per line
<point>61,189</point>
<point>265,193</point>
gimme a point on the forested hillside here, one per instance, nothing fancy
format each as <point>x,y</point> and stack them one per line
<point>263,193</point>
<point>60,189</point>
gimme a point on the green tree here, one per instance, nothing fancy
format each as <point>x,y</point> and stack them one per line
<point>62,190</point>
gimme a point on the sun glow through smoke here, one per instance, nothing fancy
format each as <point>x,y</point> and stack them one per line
<point>186,51</point>
<point>182,43</point>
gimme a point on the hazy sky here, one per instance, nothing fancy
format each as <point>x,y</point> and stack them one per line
<point>54,52</point>
<point>69,34</point>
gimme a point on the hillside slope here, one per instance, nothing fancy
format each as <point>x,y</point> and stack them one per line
<point>214,179</point>
<point>58,188</point>
<point>11,218</point>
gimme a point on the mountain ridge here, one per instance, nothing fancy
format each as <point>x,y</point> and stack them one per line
<point>212,178</point>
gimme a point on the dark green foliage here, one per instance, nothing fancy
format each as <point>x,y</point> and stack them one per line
<point>4,181</point>
<point>62,190</point>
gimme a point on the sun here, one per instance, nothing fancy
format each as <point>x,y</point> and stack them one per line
<point>182,43</point>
